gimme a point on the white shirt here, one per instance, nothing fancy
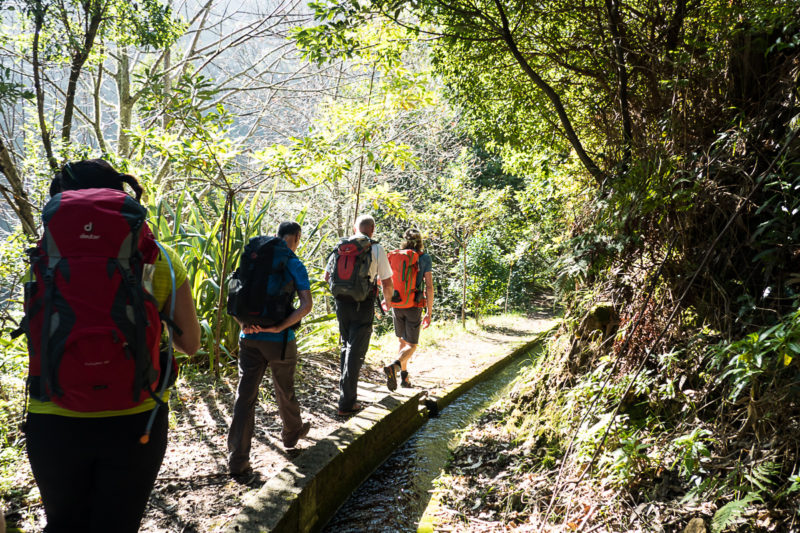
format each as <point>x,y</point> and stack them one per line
<point>380,268</point>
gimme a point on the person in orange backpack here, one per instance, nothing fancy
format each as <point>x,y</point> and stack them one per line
<point>411,269</point>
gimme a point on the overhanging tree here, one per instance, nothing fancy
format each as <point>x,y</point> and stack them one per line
<point>499,30</point>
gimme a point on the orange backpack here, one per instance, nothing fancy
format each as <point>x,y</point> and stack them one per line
<point>406,279</point>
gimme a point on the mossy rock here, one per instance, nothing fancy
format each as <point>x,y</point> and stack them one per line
<point>602,317</point>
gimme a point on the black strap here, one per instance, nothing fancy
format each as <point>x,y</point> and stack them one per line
<point>171,323</point>
<point>47,373</point>
<point>20,330</point>
<point>285,342</point>
<point>155,397</point>
<point>141,355</point>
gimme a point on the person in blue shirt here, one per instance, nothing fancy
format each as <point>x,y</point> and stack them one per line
<point>261,347</point>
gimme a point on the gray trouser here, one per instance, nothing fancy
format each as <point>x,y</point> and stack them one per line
<point>355,328</point>
<point>254,357</point>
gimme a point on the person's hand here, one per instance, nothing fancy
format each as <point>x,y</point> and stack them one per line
<point>249,330</point>
<point>384,305</point>
<point>426,320</point>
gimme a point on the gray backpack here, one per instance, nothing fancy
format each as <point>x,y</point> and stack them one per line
<point>350,279</point>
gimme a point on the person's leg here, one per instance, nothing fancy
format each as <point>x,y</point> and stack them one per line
<point>360,331</point>
<point>344,315</point>
<point>409,341</point>
<point>399,321</point>
<point>410,335</point>
<point>251,370</point>
<point>283,381</point>
<point>126,470</point>
<point>406,351</point>
<point>392,369</point>
<point>62,465</point>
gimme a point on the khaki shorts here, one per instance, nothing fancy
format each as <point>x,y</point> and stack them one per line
<point>407,323</point>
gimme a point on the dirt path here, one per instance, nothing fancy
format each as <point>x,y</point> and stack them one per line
<point>194,493</point>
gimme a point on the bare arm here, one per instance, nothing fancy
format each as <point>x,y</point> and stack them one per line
<point>188,341</point>
<point>429,292</point>
<point>426,320</point>
<point>388,290</point>
<point>306,303</point>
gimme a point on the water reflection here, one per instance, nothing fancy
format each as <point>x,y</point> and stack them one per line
<point>394,498</point>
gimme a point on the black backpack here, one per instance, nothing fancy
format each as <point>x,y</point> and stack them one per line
<point>261,290</point>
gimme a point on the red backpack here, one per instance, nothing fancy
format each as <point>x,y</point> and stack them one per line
<point>406,279</point>
<point>93,330</point>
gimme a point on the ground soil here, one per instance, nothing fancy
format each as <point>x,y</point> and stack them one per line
<point>194,492</point>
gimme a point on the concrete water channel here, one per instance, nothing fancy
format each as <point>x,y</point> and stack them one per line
<point>396,495</point>
<point>374,473</point>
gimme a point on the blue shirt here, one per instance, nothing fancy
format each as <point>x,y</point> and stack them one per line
<point>425,264</point>
<point>300,276</point>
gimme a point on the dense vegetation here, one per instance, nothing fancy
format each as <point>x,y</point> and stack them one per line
<point>640,159</point>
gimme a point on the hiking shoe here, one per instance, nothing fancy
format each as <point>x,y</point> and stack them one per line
<point>406,383</point>
<point>391,377</point>
<point>245,476</point>
<point>291,442</point>
<point>350,412</point>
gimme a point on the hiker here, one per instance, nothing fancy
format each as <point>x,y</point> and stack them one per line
<point>411,266</point>
<point>268,277</point>
<point>96,429</point>
<point>353,270</point>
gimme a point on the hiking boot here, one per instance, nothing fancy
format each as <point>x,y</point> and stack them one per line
<point>391,377</point>
<point>291,442</point>
<point>244,476</point>
<point>353,410</point>
<point>405,382</point>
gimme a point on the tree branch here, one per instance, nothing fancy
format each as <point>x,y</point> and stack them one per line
<point>554,98</point>
<point>19,199</point>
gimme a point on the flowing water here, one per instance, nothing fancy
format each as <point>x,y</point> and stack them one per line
<point>394,498</point>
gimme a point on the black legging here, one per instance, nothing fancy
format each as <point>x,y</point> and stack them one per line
<point>93,474</point>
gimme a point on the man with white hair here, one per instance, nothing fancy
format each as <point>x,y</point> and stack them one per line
<point>353,271</point>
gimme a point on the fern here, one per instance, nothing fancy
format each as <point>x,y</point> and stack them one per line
<point>762,476</point>
<point>730,512</point>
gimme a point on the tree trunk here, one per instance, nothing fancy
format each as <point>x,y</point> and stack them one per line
<point>98,113</point>
<point>94,14</point>
<point>126,102</point>
<point>508,287</point>
<point>554,98</point>
<point>341,231</point>
<point>167,85</point>
<point>39,12</point>
<point>226,224</point>
<point>363,144</point>
<point>166,166</point>
<point>675,26</point>
<point>464,289</point>
<point>18,199</point>
<point>620,45</point>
